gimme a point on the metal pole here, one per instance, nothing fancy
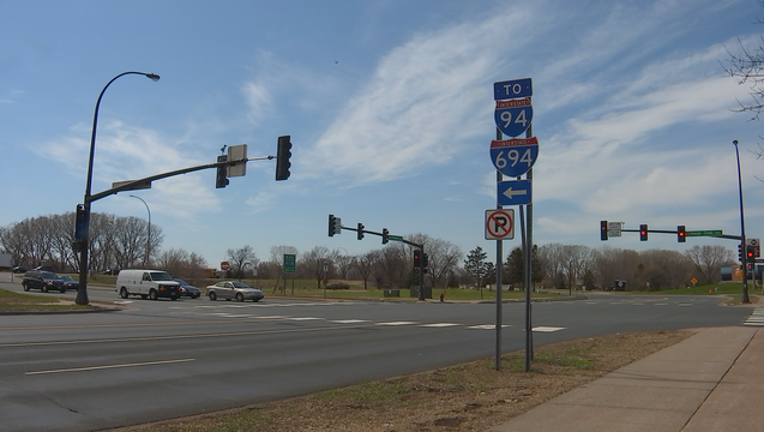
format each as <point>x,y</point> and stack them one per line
<point>147,258</point>
<point>82,292</point>
<point>499,267</point>
<point>528,269</point>
<point>743,248</point>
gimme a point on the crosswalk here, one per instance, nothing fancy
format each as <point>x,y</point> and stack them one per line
<point>756,318</point>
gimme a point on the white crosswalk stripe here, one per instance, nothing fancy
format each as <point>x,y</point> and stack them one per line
<point>756,318</point>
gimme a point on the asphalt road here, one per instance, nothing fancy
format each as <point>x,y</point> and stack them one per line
<point>164,359</point>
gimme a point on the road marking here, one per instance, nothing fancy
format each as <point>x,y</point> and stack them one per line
<point>304,319</point>
<point>439,325</point>
<point>486,326</point>
<point>397,323</point>
<point>546,329</point>
<point>123,365</point>
<point>756,318</point>
<point>349,321</point>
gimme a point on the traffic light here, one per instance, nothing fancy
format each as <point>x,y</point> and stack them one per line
<point>643,232</point>
<point>681,234</point>
<point>222,178</point>
<point>385,236</point>
<point>359,232</point>
<point>749,253</point>
<point>425,260</point>
<point>282,157</point>
<point>740,253</point>
<point>417,258</point>
<point>603,230</point>
<point>335,225</point>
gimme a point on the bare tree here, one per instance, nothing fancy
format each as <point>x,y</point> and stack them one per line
<point>365,266</point>
<point>442,255</point>
<point>313,263</point>
<point>708,260</point>
<point>241,258</point>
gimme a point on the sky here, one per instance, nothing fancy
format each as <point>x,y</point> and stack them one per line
<point>390,109</point>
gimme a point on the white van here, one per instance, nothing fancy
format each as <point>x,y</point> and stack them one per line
<point>147,283</point>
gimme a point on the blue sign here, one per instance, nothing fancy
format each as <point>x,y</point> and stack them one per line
<point>516,156</point>
<point>513,89</point>
<point>513,116</point>
<point>515,192</point>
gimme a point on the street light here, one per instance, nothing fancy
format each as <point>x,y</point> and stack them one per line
<point>82,292</point>
<point>147,258</point>
<point>743,260</point>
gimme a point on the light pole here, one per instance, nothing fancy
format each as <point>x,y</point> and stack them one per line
<point>83,213</point>
<point>147,257</point>
<point>744,252</point>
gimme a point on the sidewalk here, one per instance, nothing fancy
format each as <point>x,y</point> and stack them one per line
<point>711,381</point>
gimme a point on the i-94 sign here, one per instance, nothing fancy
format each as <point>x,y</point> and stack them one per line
<point>513,116</point>
<point>514,157</point>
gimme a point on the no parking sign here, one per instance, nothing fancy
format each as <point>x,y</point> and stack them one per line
<point>500,224</point>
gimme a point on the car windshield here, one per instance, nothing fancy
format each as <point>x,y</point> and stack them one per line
<point>240,285</point>
<point>49,275</point>
<point>160,276</point>
<point>67,278</point>
<point>180,281</point>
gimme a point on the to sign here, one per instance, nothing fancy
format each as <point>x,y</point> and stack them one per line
<point>513,116</point>
<point>513,89</point>
<point>516,156</point>
<point>224,265</point>
<point>500,224</point>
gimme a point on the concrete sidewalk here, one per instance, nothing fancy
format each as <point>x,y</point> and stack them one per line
<point>711,381</point>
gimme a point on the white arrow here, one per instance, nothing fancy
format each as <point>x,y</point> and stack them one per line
<point>509,193</point>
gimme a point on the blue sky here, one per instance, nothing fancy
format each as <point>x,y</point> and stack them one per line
<point>390,108</point>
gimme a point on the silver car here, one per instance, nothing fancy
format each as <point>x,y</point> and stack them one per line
<point>234,290</point>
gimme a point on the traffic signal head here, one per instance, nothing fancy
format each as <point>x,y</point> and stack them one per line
<point>749,253</point>
<point>385,235</point>
<point>283,154</point>
<point>360,231</point>
<point>221,180</point>
<point>603,230</point>
<point>740,253</point>
<point>335,225</point>
<point>417,258</point>
<point>681,234</point>
<point>643,232</point>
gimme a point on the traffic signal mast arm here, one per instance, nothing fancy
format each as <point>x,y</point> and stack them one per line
<point>130,185</point>
<point>675,232</point>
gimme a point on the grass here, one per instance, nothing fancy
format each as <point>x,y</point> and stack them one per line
<point>17,302</point>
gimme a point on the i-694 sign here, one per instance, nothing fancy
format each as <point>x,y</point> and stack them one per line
<point>516,156</point>
<point>513,116</point>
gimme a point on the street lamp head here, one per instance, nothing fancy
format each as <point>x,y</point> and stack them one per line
<point>734,142</point>
<point>153,77</point>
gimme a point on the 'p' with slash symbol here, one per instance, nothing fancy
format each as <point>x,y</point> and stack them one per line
<point>499,224</point>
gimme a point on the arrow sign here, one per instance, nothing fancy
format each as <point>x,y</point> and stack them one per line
<point>514,192</point>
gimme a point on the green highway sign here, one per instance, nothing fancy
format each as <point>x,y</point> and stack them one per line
<point>289,263</point>
<point>704,233</point>
<point>395,238</point>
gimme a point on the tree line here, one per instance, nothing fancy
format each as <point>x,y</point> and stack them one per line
<point>118,242</point>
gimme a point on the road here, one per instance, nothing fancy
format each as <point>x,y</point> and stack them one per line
<point>163,359</point>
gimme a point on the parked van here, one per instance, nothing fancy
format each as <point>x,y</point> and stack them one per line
<point>147,283</point>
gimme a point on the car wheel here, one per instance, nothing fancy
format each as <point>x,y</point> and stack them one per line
<point>25,286</point>
<point>239,297</point>
<point>63,290</point>
<point>123,293</point>
<point>153,295</point>
<point>44,288</point>
<point>255,300</point>
<point>213,296</point>
<point>195,297</point>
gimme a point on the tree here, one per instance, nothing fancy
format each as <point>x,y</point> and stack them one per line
<point>241,258</point>
<point>442,255</point>
<point>747,66</point>
<point>708,260</point>
<point>476,265</point>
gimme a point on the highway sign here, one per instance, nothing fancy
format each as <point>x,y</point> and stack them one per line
<point>513,116</point>
<point>703,233</point>
<point>513,89</point>
<point>289,263</point>
<point>500,224</point>
<point>395,238</point>
<point>514,192</point>
<point>516,156</point>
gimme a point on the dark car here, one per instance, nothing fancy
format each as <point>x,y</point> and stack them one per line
<point>20,269</point>
<point>43,281</point>
<point>188,290</point>
<point>70,283</point>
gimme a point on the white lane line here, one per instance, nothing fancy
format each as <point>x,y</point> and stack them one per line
<point>397,323</point>
<point>305,319</point>
<point>486,326</point>
<point>546,329</point>
<point>349,321</point>
<point>439,325</point>
<point>123,365</point>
